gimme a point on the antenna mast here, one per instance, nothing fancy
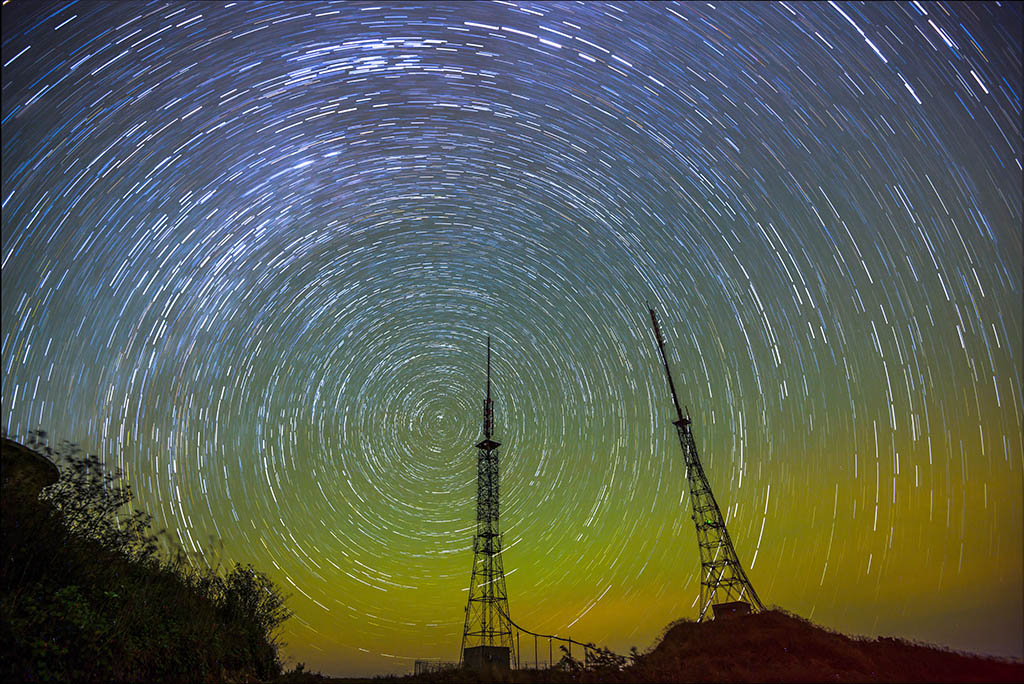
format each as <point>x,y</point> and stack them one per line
<point>488,404</point>
<point>664,359</point>
<point>724,586</point>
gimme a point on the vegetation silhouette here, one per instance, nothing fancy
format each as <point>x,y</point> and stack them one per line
<point>87,596</point>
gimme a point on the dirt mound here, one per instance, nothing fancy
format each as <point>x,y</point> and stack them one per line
<point>777,646</point>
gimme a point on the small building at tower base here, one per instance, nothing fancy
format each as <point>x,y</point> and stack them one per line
<point>731,609</point>
<point>486,658</point>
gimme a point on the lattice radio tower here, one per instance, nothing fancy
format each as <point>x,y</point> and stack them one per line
<point>487,640</point>
<point>723,583</point>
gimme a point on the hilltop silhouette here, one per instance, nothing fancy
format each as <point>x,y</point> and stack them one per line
<point>82,601</point>
<point>776,646</point>
<point>772,646</point>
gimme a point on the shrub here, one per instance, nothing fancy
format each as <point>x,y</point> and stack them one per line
<point>96,505</point>
<point>87,597</point>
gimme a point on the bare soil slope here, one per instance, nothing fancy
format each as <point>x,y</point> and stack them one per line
<point>774,646</point>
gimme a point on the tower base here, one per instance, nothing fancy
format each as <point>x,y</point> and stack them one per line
<point>485,658</point>
<point>731,609</point>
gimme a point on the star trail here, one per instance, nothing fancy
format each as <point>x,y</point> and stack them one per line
<point>252,250</point>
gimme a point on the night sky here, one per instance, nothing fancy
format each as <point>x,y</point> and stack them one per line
<point>252,252</point>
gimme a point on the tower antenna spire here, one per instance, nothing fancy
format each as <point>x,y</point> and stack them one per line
<point>724,586</point>
<point>664,360</point>
<point>488,404</point>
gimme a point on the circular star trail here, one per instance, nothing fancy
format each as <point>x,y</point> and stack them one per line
<point>252,252</point>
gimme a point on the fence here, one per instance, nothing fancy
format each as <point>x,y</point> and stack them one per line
<point>551,639</point>
<point>428,666</point>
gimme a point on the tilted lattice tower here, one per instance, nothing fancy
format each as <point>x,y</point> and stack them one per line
<point>723,583</point>
<point>487,639</point>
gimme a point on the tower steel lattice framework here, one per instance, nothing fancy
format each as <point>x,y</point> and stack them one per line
<point>487,622</point>
<point>722,578</point>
